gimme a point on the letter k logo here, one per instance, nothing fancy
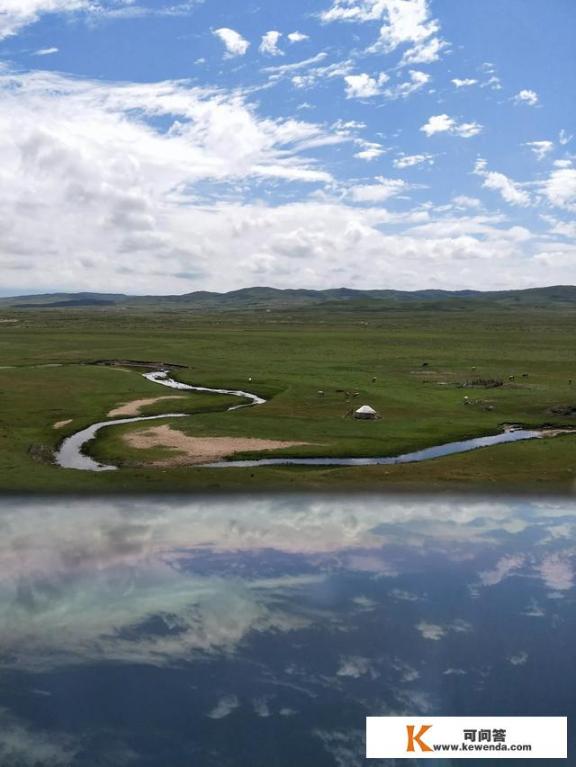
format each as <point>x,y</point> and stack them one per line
<point>413,739</point>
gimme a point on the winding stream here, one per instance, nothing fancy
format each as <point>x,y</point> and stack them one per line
<point>71,455</point>
<point>464,446</point>
<point>164,379</point>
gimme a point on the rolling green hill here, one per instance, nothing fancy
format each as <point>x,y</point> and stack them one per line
<point>261,298</point>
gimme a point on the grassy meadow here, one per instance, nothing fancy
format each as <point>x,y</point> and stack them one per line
<point>409,364</point>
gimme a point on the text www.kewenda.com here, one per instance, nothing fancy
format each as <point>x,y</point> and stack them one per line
<point>465,747</point>
<point>474,740</point>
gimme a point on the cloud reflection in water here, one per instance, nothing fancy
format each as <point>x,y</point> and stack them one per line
<point>299,614</point>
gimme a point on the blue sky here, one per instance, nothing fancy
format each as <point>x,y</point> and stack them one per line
<point>166,147</point>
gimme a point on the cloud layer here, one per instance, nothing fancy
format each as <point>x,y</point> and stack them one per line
<point>287,157</point>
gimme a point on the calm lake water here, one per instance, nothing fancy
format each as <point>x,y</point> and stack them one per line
<point>258,633</point>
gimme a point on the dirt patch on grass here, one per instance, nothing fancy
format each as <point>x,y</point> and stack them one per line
<point>135,407</point>
<point>62,424</point>
<point>557,432</point>
<point>190,451</point>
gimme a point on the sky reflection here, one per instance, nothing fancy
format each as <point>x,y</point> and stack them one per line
<point>262,632</point>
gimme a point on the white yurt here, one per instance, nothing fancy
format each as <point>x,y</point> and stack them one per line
<point>366,413</point>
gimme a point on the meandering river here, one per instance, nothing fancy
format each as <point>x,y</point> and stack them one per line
<point>71,453</point>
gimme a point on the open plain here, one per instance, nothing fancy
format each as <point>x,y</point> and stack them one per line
<point>435,373</point>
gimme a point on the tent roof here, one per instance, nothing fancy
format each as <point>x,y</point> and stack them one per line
<point>366,409</point>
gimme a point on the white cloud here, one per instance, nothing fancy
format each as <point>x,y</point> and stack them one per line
<point>431,631</point>
<point>269,44</point>
<point>46,51</point>
<point>466,83</point>
<point>26,747</point>
<point>509,190</point>
<point>562,228</point>
<point>439,124</point>
<point>463,201</point>
<point>558,257</point>
<point>493,82</point>
<point>541,148</point>
<point>435,632</point>
<point>238,244</point>
<point>83,151</point>
<point>468,130</point>
<point>405,22</point>
<point>297,37</point>
<point>225,706</point>
<point>560,188</point>
<point>235,44</point>
<point>303,81</point>
<point>557,572</point>
<point>410,160</point>
<point>426,52</point>
<point>370,151</point>
<point>356,667</point>
<point>474,225</point>
<point>416,82</point>
<point>209,202</point>
<point>356,10</point>
<point>380,192</point>
<point>283,69</point>
<point>564,137</point>
<point>446,124</point>
<point>504,568</point>
<point>347,125</point>
<point>363,86</point>
<point>15,14</point>
<point>129,9</point>
<point>315,74</point>
<point>526,97</point>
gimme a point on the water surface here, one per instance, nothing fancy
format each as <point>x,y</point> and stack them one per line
<point>250,633</point>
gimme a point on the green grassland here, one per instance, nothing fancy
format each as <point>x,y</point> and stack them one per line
<point>291,356</point>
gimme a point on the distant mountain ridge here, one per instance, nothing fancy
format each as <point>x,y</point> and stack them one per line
<point>275,298</point>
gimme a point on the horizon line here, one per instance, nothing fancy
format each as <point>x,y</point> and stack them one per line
<point>57,292</point>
